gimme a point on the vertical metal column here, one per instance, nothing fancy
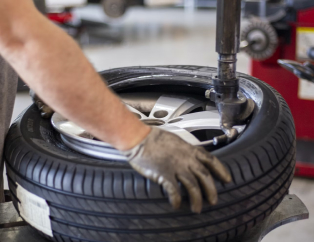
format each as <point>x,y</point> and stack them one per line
<point>228,38</point>
<point>233,110</point>
<point>262,9</point>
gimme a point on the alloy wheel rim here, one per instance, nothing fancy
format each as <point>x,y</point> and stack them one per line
<point>195,120</point>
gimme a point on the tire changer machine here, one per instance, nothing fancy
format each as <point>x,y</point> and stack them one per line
<point>230,105</point>
<point>281,34</point>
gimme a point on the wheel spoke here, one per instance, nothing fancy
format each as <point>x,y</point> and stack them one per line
<point>168,107</point>
<point>67,127</point>
<point>139,114</point>
<point>182,133</point>
<point>143,102</point>
<point>199,121</point>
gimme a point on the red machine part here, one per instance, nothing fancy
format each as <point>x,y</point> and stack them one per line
<point>61,18</point>
<point>288,86</point>
<point>285,82</point>
<point>303,169</point>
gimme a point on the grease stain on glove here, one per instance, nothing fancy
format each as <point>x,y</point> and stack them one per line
<point>166,159</point>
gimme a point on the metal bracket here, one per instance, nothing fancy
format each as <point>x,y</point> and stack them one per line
<point>304,71</point>
<point>234,109</point>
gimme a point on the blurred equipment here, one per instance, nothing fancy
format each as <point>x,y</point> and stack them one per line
<point>87,31</point>
<point>115,8</point>
<point>84,31</point>
<point>285,30</point>
<point>260,40</point>
<point>61,5</point>
<point>58,11</point>
<point>304,71</point>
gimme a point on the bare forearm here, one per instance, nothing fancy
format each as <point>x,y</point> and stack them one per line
<point>53,65</point>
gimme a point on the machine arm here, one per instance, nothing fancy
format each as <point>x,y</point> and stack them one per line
<point>234,108</point>
<point>304,71</point>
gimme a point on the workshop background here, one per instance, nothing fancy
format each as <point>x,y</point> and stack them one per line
<point>166,36</point>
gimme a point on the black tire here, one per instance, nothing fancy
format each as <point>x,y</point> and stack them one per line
<point>99,200</point>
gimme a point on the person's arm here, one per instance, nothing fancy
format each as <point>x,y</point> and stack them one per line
<point>53,65</point>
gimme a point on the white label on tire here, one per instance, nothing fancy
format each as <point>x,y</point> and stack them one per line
<point>34,210</point>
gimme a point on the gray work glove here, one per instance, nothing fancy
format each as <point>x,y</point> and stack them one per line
<point>166,159</point>
<point>45,110</point>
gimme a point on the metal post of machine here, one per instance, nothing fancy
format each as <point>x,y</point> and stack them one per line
<point>262,9</point>
<point>228,37</point>
<point>234,110</point>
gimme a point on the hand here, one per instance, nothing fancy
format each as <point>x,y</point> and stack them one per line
<point>45,110</point>
<point>166,159</point>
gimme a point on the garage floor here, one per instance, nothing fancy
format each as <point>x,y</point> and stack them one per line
<point>174,36</point>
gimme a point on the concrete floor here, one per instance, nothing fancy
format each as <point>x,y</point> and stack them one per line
<point>174,36</point>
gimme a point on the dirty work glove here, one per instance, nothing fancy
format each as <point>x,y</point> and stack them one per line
<point>166,159</point>
<point>45,110</point>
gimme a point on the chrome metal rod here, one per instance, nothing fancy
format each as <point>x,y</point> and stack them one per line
<point>228,37</point>
<point>227,67</point>
<point>262,9</point>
